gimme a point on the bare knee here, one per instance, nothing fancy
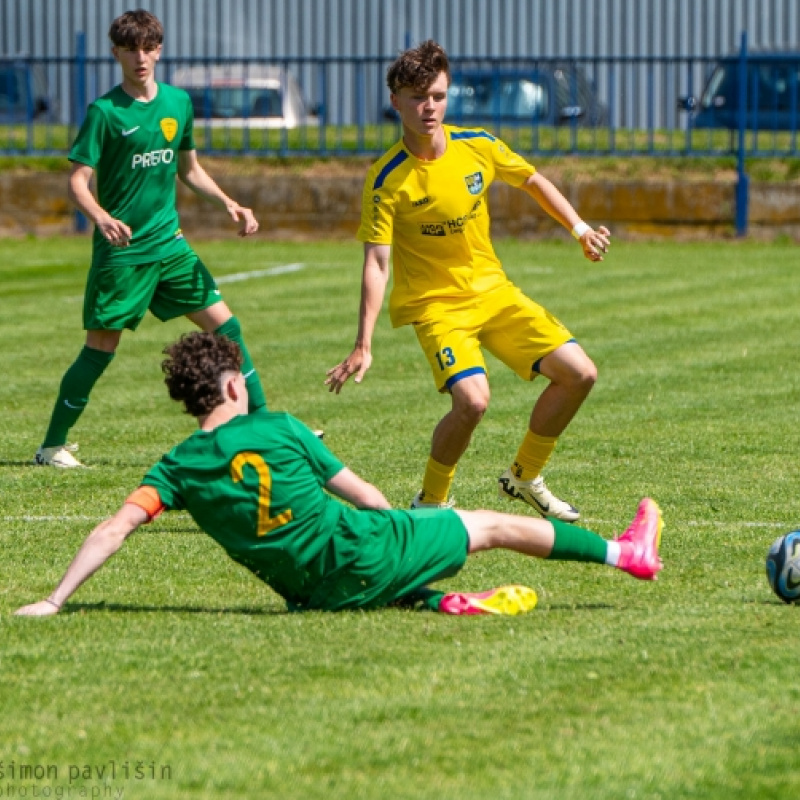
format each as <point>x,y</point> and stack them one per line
<point>577,376</point>
<point>103,340</point>
<point>470,407</point>
<point>586,377</point>
<point>482,529</point>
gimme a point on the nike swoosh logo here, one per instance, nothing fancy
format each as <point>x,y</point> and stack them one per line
<point>132,130</point>
<point>512,492</point>
<point>69,405</point>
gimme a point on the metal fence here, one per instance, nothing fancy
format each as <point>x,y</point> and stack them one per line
<point>602,105</point>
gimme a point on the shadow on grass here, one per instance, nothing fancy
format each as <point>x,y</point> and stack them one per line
<point>79,608</point>
<point>566,606</point>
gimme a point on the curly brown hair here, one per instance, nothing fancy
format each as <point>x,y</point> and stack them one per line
<point>135,29</point>
<point>418,67</point>
<point>194,367</point>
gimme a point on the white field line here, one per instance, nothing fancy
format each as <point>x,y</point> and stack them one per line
<point>696,523</point>
<point>283,269</point>
<point>234,277</point>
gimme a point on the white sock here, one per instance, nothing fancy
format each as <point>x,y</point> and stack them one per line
<point>612,553</point>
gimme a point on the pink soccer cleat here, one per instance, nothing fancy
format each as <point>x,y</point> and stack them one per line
<point>510,600</point>
<point>639,544</point>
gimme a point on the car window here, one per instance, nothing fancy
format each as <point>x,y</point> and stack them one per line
<point>507,97</point>
<point>777,86</point>
<point>9,89</point>
<point>770,86</point>
<point>235,102</point>
<point>719,89</point>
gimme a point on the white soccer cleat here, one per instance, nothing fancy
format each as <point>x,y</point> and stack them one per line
<point>419,502</point>
<point>536,494</point>
<point>59,456</point>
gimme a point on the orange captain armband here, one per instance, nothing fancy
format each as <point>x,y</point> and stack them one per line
<point>148,499</point>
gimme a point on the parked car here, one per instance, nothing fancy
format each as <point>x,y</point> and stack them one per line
<point>773,94</point>
<point>555,94</point>
<point>547,95</point>
<point>245,95</point>
<point>23,92</point>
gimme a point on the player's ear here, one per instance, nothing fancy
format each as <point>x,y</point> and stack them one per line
<point>230,391</point>
<point>393,101</point>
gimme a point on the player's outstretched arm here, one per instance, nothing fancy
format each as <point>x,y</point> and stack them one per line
<point>373,288</point>
<point>595,243</point>
<point>98,547</point>
<point>191,172</point>
<point>349,486</point>
<point>115,231</point>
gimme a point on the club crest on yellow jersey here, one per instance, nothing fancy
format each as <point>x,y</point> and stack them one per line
<point>474,182</point>
<point>169,127</point>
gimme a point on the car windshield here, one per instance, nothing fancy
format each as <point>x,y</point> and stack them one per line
<point>9,89</point>
<point>493,96</point>
<point>226,102</point>
<point>770,86</point>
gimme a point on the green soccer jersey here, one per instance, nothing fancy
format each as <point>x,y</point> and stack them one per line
<point>133,148</point>
<point>255,485</point>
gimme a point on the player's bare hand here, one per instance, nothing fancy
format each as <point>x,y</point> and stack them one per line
<point>115,231</point>
<point>44,608</point>
<point>248,224</point>
<point>357,363</point>
<point>596,243</point>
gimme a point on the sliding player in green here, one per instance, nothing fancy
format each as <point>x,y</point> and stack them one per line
<point>135,140</point>
<point>256,484</point>
<point>425,203</point>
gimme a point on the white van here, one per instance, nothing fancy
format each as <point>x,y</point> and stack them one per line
<point>240,95</point>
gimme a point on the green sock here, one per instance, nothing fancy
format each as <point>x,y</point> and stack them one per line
<point>73,394</point>
<point>233,330</point>
<point>423,599</point>
<point>577,544</point>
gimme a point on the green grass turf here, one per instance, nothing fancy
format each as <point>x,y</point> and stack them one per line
<point>175,662</point>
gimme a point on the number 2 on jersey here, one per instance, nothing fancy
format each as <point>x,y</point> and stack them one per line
<point>266,523</point>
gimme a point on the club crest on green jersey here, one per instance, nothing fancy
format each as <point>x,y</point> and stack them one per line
<point>169,127</point>
<point>474,182</point>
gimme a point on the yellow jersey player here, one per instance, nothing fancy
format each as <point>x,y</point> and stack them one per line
<point>426,199</point>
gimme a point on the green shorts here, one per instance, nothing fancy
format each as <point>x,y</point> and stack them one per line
<point>404,551</point>
<point>118,297</point>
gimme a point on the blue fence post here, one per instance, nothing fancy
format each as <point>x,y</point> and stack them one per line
<point>81,223</point>
<point>743,181</point>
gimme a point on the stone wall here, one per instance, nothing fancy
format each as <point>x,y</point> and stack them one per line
<point>297,205</point>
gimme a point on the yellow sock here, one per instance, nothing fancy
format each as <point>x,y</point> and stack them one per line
<point>533,454</point>
<point>437,481</point>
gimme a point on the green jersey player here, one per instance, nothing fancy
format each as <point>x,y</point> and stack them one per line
<point>268,491</point>
<point>134,141</point>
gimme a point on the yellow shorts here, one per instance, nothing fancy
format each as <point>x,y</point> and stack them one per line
<point>507,323</point>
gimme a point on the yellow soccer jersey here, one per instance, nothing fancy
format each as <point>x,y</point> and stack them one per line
<point>435,216</point>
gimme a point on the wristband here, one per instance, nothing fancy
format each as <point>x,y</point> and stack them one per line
<point>580,228</point>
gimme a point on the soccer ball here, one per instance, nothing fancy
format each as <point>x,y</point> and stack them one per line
<point>783,567</point>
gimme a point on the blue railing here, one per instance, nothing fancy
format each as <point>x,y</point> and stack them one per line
<point>329,107</point>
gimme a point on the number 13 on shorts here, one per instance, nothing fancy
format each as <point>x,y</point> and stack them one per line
<point>445,358</point>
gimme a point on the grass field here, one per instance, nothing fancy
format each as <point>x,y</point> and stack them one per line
<point>175,674</point>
